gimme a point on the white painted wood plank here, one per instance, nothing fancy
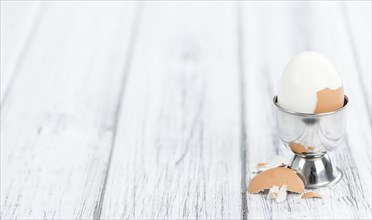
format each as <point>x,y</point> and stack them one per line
<point>176,152</point>
<point>358,23</point>
<point>356,82</point>
<point>273,33</point>
<point>57,122</point>
<point>18,25</point>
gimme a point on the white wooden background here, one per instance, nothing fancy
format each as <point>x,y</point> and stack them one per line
<point>119,110</point>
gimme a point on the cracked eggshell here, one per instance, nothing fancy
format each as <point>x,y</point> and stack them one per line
<point>277,177</point>
<point>261,165</point>
<point>282,194</point>
<point>308,195</point>
<point>310,84</point>
<point>273,192</point>
<point>276,161</point>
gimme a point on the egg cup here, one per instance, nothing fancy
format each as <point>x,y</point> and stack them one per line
<point>310,137</point>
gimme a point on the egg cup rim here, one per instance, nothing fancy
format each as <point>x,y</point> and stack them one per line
<point>346,101</point>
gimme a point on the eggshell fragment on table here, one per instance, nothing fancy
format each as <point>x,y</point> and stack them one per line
<point>261,164</point>
<point>273,192</point>
<point>276,177</point>
<point>277,194</point>
<point>282,194</point>
<point>308,195</point>
<point>278,161</point>
<point>274,162</point>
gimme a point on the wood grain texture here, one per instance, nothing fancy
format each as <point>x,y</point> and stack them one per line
<point>357,24</point>
<point>160,110</point>
<point>312,27</point>
<point>58,121</point>
<point>357,84</point>
<point>19,21</point>
<point>178,152</point>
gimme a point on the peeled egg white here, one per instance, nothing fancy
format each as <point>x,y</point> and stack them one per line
<point>310,80</point>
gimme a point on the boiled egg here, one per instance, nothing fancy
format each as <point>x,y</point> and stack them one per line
<point>311,84</point>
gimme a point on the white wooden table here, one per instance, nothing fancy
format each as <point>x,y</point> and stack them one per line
<point>160,110</point>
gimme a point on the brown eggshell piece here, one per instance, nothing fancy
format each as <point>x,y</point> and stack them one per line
<point>308,195</point>
<point>298,148</point>
<point>277,177</point>
<point>329,100</point>
<point>261,164</point>
<point>311,148</point>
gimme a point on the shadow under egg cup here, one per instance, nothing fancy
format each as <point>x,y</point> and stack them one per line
<point>310,137</point>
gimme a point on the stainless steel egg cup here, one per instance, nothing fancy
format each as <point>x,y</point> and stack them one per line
<point>319,134</point>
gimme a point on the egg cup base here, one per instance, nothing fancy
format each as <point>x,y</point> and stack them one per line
<point>317,172</point>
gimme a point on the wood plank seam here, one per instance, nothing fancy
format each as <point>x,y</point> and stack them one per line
<point>356,176</point>
<point>243,139</point>
<point>26,45</point>
<point>356,59</point>
<point>127,64</point>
